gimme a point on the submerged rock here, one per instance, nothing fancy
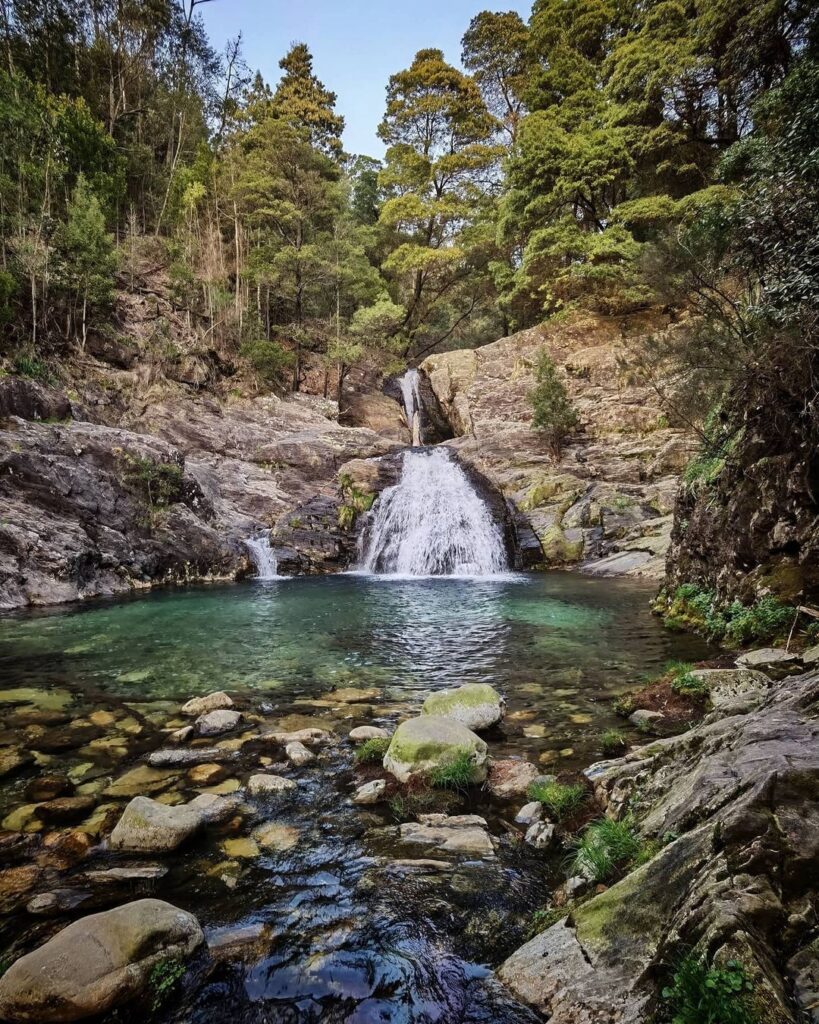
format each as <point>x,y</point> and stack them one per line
<point>311,737</point>
<point>422,744</point>
<point>147,826</point>
<point>96,963</point>
<point>172,757</point>
<point>12,759</point>
<point>508,779</point>
<point>202,705</point>
<point>475,705</point>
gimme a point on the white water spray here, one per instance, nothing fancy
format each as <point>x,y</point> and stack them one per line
<point>411,400</point>
<point>263,557</point>
<point>432,523</point>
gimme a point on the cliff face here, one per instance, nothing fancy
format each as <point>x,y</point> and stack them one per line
<point>607,504</point>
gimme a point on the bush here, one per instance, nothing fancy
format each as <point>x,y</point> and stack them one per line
<point>613,742</point>
<point>607,848</point>
<point>699,994</point>
<point>32,367</point>
<point>159,482</point>
<point>372,750</point>
<point>699,609</point>
<point>764,620</point>
<point>625,705</point>
<point>455,774</point>
<point>269,359</point>
<point>559,800</point>
<point>552,412</point>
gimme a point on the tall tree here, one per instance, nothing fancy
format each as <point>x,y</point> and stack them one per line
<point>302,100</point>
<point>440,175</point>
<point>494,49</point>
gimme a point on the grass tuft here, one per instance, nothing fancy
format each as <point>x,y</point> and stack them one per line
<point>613,742</point>
<point>455,774</point>
<point>559,799</point>
<point>372,750</point>
<point>608,848</point>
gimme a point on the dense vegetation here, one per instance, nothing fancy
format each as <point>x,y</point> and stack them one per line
<point>606,155</point>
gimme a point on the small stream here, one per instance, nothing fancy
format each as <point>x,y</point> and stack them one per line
<point>332,924</point>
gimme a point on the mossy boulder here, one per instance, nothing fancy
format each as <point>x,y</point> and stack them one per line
<point>422,744</point>
<point>475,705</point>
<point>97,963</point>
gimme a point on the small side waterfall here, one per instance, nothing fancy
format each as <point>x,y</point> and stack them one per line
<point>263,557</point>
<point>411,399</point>
<point>432,523</point>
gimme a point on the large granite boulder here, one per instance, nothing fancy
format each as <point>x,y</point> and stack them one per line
<point>732,805</point>
<point>96,963</point>
<point>475,705</point>
<point>420,745</point>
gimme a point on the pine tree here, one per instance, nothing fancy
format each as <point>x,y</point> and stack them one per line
<point>552,411</point>
<point>302,100</point>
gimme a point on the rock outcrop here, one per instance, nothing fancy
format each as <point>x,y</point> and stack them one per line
<point>733,803</point>
<point>607,504</point>
<point>423,744</point>
<point>96,963</point>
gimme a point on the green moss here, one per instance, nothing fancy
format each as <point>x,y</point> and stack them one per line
<point>557,549</point>
<point>355,503</point>
<point>163,978</point>
<point>470,695</point>
<point>543,919</point>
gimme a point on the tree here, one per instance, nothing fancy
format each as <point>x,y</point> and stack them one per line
<point>494,49</point>
<point>552,411</point>
<point>86,260</point>
<point>302,100</point>
<point>439,175</point>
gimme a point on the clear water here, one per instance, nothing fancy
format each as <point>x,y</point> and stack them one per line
<point>559,644</point>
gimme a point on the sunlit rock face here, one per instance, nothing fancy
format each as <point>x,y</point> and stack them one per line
<point>607,503</point>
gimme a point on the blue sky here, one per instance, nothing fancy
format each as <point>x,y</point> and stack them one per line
<point>356,44</point>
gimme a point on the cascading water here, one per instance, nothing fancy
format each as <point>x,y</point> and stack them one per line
<point>263,557</point>
<point>432,523</point>
<point>411,399</point>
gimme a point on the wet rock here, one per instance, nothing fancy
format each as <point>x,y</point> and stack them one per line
<point>368,732</point>
<point>370,792</point>
<point>207,774</point>
<point>274,836</point>
<point>181,735</point>
<point>64,809</point>
<point>172,758</point>
<point>530,813</point>
<point>77,734</point>
<point>13,759</point>
<point>241,848</point>
<point>771,658</point>
<point>644,716</point>
<point>15,885</point>
<point>48,787</point>
<point>217,701</point>
<point>216,722</point>
<point>309,737</point>
<point>734,690</point>
<point>131,875</point>
<point>147,826</point>
<point>810,657</point>
<point>541,835</point>
<point>298,754</point>
<point>354,695</point>
<point>421,744</point>
<point>475,705</point>
<point>576,886</point>
<point>141,781</point>
<point>59,901</point>
<point>96,963</point>
<point>507,779</point>
<point>16,846</point>
<point>65,849</point>
<point>231,939</point>
<point>460,834</point>
<point>269,785</point>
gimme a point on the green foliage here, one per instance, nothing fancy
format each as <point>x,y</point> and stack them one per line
<point>695,607</point>
<point>552,411</point>
<point>372,750</point>
<point>613,742</point>
<point>160,483</point>
<point>543,919</point>
<point>699,994</point>
<point>27,365</point>
<point>559,799</point>
<point>269,359</point>
<point>355,502</point>
<point>163,979</point>
<point>607,848</point>
<point>455,774</point>
<point>685,683</point>
<point>302,99</point>
<point>625,706</point>
<point>406,806</point>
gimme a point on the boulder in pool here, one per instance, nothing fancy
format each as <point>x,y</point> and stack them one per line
<point>96,963</point>
<point>421,744</point>
<point>217,701</point>
<point>475,705</point>
<point>147,826</point>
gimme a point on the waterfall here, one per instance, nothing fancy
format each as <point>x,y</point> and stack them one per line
<point>411,399</point>
<point>263,557</point>
<point>432,523</point>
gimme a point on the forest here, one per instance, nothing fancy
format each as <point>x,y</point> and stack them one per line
<point>607,156</point>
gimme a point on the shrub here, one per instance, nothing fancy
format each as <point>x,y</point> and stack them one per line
<point>764,620</point>
<point>625,706</point>
<point>159,482</point>
<point>699,609</point>
<point>164,976</point>
<point>606,848</point>
<point>613,742</point>
<point>404,806</point>
<point>558,799</point>
<point>372,750</point>
<point>32,367</point>
<point>269,359</point>
<point>455,774</point>
<point>699,994</point>
<point>552,412</point>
